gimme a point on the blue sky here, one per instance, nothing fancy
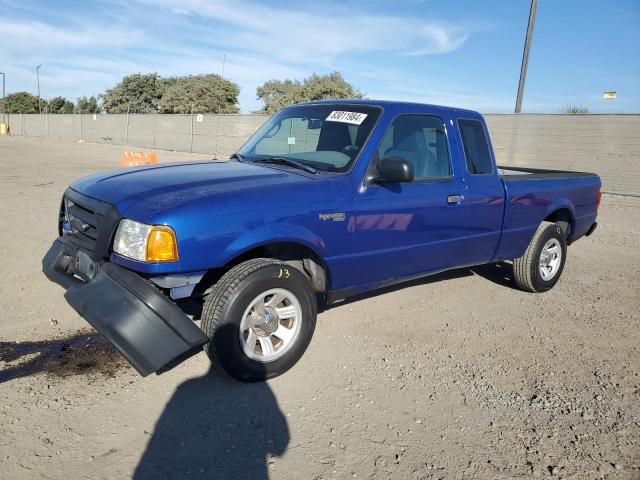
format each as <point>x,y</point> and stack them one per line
<point>427,51</point>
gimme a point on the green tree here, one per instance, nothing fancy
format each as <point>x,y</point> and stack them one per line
<point>200,94</point>
<point>60,105</point>
<point>56,104</point>
<point>138,92</point>
<point>329,87</point>
<point>21,102</point>
<point>87,105</point>
<point>67,107</point>
<point>277,94</point>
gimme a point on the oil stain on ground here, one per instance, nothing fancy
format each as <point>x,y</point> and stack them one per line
<point>81,354</point>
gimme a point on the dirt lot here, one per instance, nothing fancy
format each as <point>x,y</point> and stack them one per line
<point>455,376</point>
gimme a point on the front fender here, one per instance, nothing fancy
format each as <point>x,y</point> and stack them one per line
<point>274,233</point>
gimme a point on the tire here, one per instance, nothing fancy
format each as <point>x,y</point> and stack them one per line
<point>232,302</point>
<point>528,271</point>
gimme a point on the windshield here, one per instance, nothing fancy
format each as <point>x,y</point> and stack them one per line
<point>327,138</point>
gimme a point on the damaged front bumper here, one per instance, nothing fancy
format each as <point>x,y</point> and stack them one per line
<point>143,324</point>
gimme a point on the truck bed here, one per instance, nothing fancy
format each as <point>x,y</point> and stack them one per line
<point>531,194</point>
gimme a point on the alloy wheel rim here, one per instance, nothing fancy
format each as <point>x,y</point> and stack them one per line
<point>550,259</point>
<point>270,325</point>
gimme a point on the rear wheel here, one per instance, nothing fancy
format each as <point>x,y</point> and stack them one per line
<point>260,318</point>
<point>539,269</point>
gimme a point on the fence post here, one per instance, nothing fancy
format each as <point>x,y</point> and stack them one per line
<point>191,144</point>
<point>126,130</point>
<point>80,115</point>
<point>46,121</point>
<point>215,154</point>
<point>22,123</point>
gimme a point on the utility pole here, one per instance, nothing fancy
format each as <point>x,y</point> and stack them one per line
<point>224,59</point>
<point>525,55</point>
<point>38,77</point>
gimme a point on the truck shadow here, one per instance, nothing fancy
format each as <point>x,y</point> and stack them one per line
<point>215,427</point>
<point>500,273</point>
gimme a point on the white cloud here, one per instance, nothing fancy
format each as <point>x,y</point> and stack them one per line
<point>84,53</point>
<point>311,37</point>
<point>21,36</point>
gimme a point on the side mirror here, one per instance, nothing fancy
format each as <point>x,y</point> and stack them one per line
<point>395,170</point>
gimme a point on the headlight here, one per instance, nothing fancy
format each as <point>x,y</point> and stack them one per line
<point>146,243</point>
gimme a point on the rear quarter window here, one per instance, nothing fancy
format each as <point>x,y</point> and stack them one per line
<point>476,147</point>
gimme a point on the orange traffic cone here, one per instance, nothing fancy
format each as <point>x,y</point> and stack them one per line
<point>134,159</point>
<point>126,159</point>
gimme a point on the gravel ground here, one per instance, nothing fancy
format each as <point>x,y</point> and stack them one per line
<point>455,376</point>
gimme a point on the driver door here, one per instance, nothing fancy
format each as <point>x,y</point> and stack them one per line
<point>409,229</point>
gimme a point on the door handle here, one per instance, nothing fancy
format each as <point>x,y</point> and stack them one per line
<point>453,199</point>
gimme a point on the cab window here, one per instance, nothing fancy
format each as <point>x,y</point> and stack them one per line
<point>476,147</point>
<point>420,139</point>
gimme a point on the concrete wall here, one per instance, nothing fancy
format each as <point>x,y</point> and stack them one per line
<point>606,144</point>
<point>218,135</point>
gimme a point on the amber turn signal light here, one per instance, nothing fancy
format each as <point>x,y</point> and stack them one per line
<point>162,245</point>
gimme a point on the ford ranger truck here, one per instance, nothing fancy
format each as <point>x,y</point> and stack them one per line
<point>325,201</point>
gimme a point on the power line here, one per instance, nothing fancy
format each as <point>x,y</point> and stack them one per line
<point>606,7</point>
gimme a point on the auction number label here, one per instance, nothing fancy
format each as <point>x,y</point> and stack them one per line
<point>354,118</point>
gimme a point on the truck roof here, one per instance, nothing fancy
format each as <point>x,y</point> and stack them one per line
<point>409,106</point>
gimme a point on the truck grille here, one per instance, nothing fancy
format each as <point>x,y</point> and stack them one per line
<point>81,225</point>
<point>88,223</point>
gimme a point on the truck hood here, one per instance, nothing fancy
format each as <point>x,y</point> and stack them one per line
<point>144,192</point>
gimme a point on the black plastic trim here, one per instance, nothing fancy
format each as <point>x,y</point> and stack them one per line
<point>57,265</point>
<point>107,218</point>
<point>158,302</point>
<point>148,329</point>
<point>541,174</point>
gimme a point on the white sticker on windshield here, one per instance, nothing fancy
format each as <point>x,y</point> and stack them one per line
<point>354,118</point>
<point>291,140</point>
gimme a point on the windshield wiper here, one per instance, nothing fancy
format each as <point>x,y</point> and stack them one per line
<point>288,162</point>
<point>237,156</point>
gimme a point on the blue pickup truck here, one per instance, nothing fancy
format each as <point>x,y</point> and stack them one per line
<point>326,200</point>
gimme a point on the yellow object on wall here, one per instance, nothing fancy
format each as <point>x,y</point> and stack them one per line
<point>3,128</point>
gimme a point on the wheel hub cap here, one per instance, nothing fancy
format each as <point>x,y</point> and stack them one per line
<point>265,321</point>
<point>550,259</point>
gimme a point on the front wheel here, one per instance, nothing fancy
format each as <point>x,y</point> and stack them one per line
<point>260,318</point>
<point>539,269</point>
